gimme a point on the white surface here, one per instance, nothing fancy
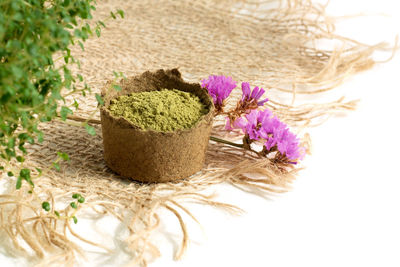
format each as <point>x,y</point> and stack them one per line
<point>344,207</point>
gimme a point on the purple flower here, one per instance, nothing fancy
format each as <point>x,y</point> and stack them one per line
<point>219,88</point>
<point>252,95</point>
<point>264,126</point>
<point>252,124</point>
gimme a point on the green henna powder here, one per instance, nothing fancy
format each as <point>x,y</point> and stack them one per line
<point>162,111</point>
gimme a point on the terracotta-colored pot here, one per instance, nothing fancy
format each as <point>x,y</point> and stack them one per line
<point>147,155</point>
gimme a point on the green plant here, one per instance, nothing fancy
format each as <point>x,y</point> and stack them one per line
<point>35,73</point>
<point>78,199</point>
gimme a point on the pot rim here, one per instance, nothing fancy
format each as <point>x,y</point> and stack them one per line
<point>124,123</point>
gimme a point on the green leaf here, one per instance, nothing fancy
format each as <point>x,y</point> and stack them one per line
<point>102,24</point>
<point>11,143</point>
<point>20,159</point>
<point>10,174</point>
<point>22,148</point>
<point>98,32</point>
<point>99,99</point>
<point>76,195</point>
<point>10,153</point>
<point>81,200</point>
<point>78,33</point>
<point>112,15</point>
<point>88,29</point>
<point>117,87</point>
<point>57,213</point>
<point>40,137</point>
<point>81,45</point>
<point>73,205</point>
<point>90,129</point>
<point>63,156</point>
<point>19,183</point>
<point>56,166</point>
<point>25,173</point>
<point>75,219</point>
<point>46,206</point>
<point>25,136</point>
<point>64,112</point>
<point>17,72</point>
<point>121,13</point>
<point>56,95</point>
<point>66,3</point>
<point>75,104</point>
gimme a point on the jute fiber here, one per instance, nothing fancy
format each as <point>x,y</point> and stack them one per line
<point>273,44</point>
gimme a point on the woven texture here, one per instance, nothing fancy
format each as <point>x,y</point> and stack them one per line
<point>272,44</point>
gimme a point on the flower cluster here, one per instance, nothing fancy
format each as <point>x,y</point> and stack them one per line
<point>251,98</point>
<point>257,125</point>
<point>219,88</point>
<point>264,126</point>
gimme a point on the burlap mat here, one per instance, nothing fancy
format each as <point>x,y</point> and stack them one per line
<point>271,44</point>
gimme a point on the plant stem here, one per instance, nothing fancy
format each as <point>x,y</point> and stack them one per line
<point>226,142</point>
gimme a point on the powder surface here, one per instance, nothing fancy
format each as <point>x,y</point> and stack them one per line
<point>162,111</point>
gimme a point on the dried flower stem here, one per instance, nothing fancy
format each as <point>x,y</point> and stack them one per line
<point>226,142</point>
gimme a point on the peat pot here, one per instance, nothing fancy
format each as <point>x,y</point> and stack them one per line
<point>147,155</point>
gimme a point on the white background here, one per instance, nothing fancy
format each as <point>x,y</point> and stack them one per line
<point>343,209</point>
